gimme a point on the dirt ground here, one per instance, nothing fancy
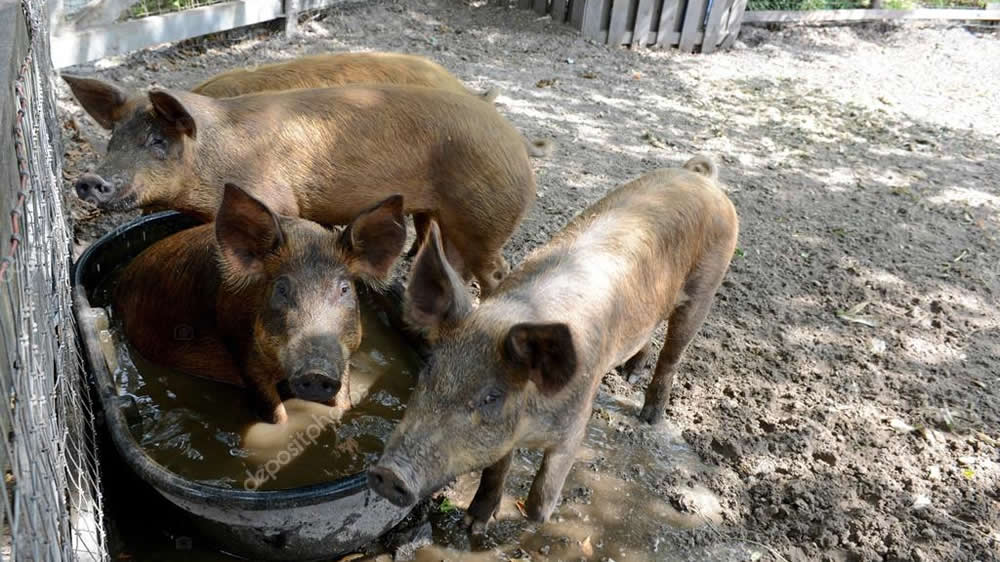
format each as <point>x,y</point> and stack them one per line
<point>841,402</point>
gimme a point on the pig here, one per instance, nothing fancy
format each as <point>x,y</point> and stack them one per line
<point>108,103</point>
<point>521,369</point>
<point>256,299</point>
<point>324,154</point>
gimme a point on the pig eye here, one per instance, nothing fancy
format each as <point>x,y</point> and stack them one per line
<point>155,140</point>
<point>345,287</point>
<point>158,145</point>
<point>491,403</point>
<point>282,292</point>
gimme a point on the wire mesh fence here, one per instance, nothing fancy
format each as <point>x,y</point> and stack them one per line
<point>50,506</point>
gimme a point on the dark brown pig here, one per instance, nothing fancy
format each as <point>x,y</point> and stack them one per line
<point>522,368</point>
<point>326,154</point>
<point>336,69</point>
<point>255,299</point>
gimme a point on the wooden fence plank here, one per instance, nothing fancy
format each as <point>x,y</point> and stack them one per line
<point>75,47</point>
<point>671,38</point>
<point>291,11</point>
<point>559,11</point>
<point>668,18</point>
<point>713,25</point>
<point>541,7</point>
<point>726,16</point>
<point>694,15</point>
<point>643,24</point>
<point>619,20</point>
<point>822,16</point>
<point>576,13</point>
<point>593,18</point>
<point>736,16</point>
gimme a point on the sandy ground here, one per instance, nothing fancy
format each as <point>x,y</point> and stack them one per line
<point>841,402</point>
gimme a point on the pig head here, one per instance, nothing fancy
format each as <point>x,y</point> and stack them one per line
<point>264,298</point>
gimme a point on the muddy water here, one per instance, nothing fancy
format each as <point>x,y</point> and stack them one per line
<point>208,432</point>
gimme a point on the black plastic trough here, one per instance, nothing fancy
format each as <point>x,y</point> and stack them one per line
<point>311,522</point>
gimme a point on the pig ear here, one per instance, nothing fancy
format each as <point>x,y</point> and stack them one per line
<point>104,101</point>
<point>169,106</point>
<point>544,352</point>
<point>374,239</point>
<point>246,231</point>
<point>436,298</point>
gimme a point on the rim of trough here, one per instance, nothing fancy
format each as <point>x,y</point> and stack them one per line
<point>152,472</point>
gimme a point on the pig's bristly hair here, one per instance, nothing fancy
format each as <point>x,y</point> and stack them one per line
<point>371,281</point>
<point>436,299</point>
<point>234,280</point>
<point>245,230</point>
<point>371,244</point>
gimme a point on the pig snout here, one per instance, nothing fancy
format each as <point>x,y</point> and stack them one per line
<point>388,483</point>
<point>94,189</point>
<point>316,368</point>
<point>317,382</point>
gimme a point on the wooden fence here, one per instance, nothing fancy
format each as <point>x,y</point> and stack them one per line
<point>684,24</point>
<point>72,45</point>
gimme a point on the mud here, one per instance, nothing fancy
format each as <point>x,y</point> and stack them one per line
<point>841,401</point>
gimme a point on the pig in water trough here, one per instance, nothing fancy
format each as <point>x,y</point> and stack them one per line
<point>307,522</point>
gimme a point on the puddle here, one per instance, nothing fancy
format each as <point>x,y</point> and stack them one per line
<point>208,432</point>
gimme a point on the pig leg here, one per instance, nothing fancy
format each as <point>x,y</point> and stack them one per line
<point>272,409</point>
<point>265,391</point>
<point>488,272</point>
<point>421,222</point>
<point>484,506</point>
<point>638,360</point>
<point>683,324</point>
<point>548,484</point>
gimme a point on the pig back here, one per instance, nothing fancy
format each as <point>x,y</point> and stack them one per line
<point>330,70</point>
<point>339,150</point>
<point>618,269</point>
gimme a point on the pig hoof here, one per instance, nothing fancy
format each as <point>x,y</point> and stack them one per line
<point>476,526</point>
<point>537,513</point>
<point>651,415</point>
